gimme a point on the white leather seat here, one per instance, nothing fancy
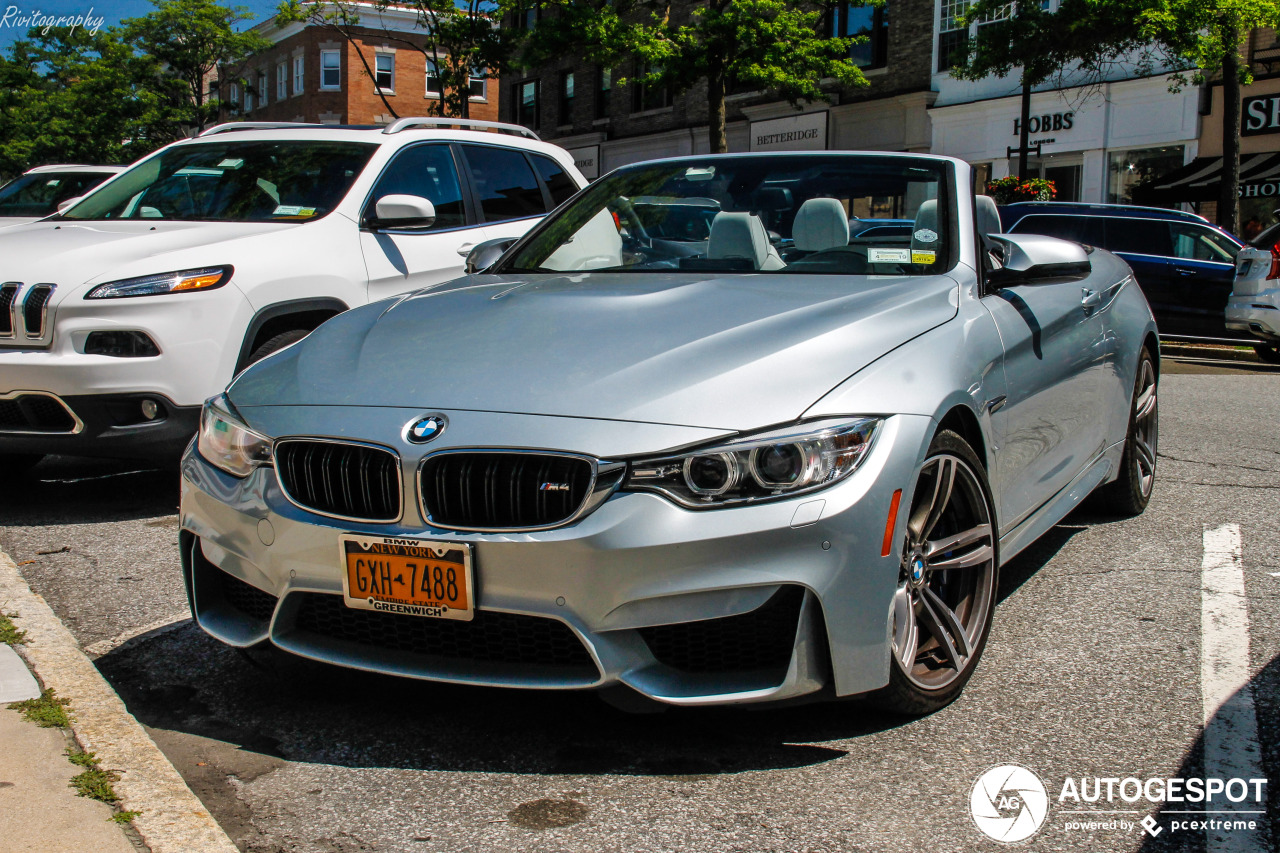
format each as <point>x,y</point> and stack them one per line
<point>820,224</point>
<point>742,235</point>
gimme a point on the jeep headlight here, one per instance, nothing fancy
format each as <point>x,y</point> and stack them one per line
<point>778,464</point>
<point>182,281</point>
<point>226,443</point>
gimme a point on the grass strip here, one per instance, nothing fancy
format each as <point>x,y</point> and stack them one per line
<point>47,711</point>
<point>9,633</point>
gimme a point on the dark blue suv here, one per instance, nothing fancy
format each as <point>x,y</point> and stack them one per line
<point>1184,264</point>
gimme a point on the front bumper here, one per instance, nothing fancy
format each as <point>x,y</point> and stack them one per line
<point>685,607</point>
<point>112,425</point>
<point>1257,314</point>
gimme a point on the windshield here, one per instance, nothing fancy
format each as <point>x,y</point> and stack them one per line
<point>40,194</point>
<point>795,214</point>
<point>232,182</point>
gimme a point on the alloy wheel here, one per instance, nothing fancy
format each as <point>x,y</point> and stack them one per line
<point>1145,427</point>
<point>946,585</point>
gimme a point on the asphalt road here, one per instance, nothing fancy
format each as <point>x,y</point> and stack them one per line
<point>1093,670</point>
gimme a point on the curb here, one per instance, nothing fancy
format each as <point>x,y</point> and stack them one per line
<point>171,819</point>
<point>1221,353</point>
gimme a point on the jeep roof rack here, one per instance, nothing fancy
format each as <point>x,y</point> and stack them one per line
<point>227,127</point>
<point>464,123</point>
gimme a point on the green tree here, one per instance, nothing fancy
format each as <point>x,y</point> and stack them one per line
<point>773,45</point>
<point>191,39</point>
<point>460,38</point>
<point>53,88</point>
<point>1084,39</point>
<point>1209,34</point>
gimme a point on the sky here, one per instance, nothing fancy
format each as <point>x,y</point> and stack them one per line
<point>111,11</point>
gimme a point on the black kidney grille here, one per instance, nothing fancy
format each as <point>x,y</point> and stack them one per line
<point>503,491</point>
<point>247,598</point>
<point>759,640</point>
<point>35,413</point>
<point>33,309</point>
<point>350,480</point>
<point>490,637</point>
<point>7,294</point>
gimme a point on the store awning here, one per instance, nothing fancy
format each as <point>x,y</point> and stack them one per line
<point>1200,179</point>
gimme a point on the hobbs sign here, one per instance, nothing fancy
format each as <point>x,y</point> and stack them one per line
<point>1260,114</point>
<point>1045,123</point>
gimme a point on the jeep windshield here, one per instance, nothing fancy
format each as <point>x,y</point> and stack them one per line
<point>742,214</point>
<point>269,181</point>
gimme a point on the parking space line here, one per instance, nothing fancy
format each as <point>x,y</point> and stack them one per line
<point>1231,748</point>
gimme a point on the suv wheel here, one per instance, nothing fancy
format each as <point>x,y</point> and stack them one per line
<point>276,343</point>
<point>1270,353</point>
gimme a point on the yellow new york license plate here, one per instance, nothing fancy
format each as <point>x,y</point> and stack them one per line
<point>416,577</point>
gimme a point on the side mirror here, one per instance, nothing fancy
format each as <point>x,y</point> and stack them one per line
<point>404,211</point>
<point>486,254</point>
<point>1037,259</point>
<point>65,203</point>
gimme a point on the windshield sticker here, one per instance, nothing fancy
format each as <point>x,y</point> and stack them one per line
<point>292,210</point>
<point>923,257</point>
<point>889,256</point>
<point>924,235</point>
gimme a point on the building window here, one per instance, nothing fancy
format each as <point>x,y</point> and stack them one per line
<point>298,65</point>
<point>526,103</point>
<point>330,69</point>
<point>648,96</point>
<point>262,88</point>
<point>566,97</point>
<point>604,88</point>
<point>871,23</point>
<point>233,102</point>
<point>384,70</point>
<point>282,81</point>
<point>527,16</point>
<point>1127,169</point>
<point>434,89</point>
<point>953,35</point>
<point>477,84</point>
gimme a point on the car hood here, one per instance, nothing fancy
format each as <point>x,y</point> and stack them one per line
<point>71,253</point>
<point>734,352</point>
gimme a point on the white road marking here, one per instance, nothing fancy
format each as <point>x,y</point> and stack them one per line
<point>155,629</point>
<point>1231,749</point>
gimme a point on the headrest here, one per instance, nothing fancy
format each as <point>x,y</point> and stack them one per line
<point>988,215</point>
<point>738,235</point>
<point>820,224</point>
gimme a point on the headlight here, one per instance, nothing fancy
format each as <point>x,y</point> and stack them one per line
<point>182,281</point>
<point>777,464</point>
<point>227,443</point>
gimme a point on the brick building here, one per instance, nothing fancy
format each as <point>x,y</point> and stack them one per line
<point>576,105</point>
<point>312,73</point>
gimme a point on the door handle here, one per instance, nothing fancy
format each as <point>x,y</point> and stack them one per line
<point>1089,299</point>
<point>465,249</point>
<point>1184,271</point>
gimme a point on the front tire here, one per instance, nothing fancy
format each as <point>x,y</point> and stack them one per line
<point>947,582</point>
<point>1269,353</point>
<point>276,343</point>
<point>1131,491</point>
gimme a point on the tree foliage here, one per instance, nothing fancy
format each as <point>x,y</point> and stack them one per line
<point>461,38</point>
<point>771,45</point>
<point>191,39</point>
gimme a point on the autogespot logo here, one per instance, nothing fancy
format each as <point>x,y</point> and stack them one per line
<point>425,428</point>
<point>1009,803</point>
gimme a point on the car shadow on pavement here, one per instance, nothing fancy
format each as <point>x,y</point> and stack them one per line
<point>1265,688</point>
<point>270,703</point>
<point>71,490</point>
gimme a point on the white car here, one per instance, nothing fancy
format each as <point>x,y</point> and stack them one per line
<point>1254,304</point>
<point>41,191</point>
<point>122,314</point>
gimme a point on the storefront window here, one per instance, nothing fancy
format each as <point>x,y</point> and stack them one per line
<point>1127,169</point>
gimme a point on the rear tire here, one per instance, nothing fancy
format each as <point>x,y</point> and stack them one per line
<point>1270,353</point>
<point>946,584</point>
<point>276,343</point>
<point>1131,491</point>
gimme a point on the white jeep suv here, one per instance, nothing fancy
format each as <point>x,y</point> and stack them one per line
<point>122,314</point>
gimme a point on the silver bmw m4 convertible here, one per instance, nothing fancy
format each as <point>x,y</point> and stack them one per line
<point>687,437</point>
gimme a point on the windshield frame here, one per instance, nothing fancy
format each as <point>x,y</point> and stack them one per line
<point>66,215</point>
<point>948,211</point>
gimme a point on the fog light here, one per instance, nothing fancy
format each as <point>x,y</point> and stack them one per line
<point>121,344</point>
<point>150,408</point>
